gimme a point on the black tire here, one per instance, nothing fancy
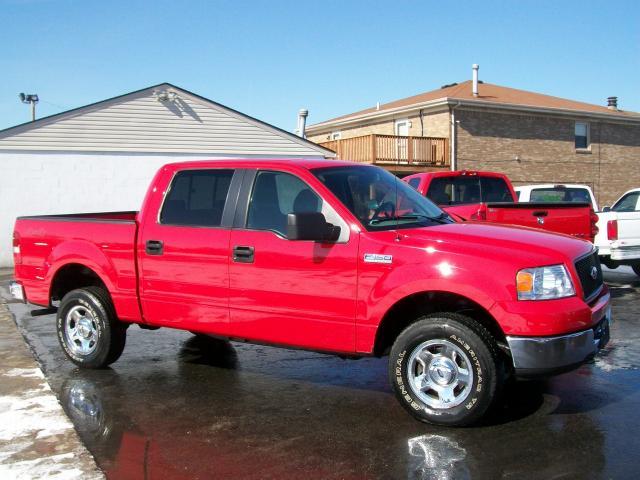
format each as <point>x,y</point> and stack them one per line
<point>109,334</point>
<point>636,269</point>
<point>475,348</point>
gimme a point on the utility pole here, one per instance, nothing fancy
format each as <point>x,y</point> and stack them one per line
<point>31,98</point>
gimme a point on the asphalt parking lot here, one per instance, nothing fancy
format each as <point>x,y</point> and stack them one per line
<point>179,406</point>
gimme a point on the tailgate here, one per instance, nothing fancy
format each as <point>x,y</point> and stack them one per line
<point>568,218</point>
<point>629,227</point>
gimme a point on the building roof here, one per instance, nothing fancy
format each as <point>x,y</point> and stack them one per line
<point>162,118</point>
<point>489,95</point>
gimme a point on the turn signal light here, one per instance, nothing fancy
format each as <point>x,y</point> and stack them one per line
<point>524,281</point>
<point>612,229</point>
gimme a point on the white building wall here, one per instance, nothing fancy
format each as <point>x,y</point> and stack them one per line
<point>40,183</point>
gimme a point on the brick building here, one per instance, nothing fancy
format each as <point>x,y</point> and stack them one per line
<point>531,137</point>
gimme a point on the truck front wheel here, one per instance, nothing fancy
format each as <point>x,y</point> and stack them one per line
<point>88,330</point>
<point>445,369</point>
<point>636,269</point>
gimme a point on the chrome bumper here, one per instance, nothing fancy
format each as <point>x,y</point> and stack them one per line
<point>547,355</point>
<point>17,291</point>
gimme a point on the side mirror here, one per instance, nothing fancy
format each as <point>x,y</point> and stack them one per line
<point>606,209</point>
<point>311,226</point>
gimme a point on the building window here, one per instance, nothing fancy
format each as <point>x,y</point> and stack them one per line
<point>582,136</point>
<point>336,135</point>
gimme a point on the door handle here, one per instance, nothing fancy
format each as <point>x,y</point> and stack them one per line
<point>154,247</point>
<point>243,254</point>
<point>540,213</point>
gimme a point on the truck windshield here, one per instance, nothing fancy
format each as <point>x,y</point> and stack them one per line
<point>463,189</point>
<point>380,200</point>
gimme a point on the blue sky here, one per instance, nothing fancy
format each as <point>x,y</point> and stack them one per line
<point>270,58</point>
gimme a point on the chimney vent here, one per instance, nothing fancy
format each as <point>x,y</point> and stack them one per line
<point>475,79</point>
<point>302,122</point>
<point>612,103</point>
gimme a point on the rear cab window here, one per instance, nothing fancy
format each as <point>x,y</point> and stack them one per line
<point>570,194</point>
<point>468,189</point>
<point>196,198</point>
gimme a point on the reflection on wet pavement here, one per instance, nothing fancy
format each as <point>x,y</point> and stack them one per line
<point>183,406</point>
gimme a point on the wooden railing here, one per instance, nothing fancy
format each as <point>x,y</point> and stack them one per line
<point>392,149</point>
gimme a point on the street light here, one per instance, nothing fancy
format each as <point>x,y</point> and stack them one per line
<point>31,98</point>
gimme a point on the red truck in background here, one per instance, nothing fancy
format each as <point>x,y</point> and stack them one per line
<point>490,197</point>
<point>328,256</point>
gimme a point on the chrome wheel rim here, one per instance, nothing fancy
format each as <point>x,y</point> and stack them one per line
<point>440,374</point>
<point>81,330</point>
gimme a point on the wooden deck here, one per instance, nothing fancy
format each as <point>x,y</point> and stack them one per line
<point>393,151</point>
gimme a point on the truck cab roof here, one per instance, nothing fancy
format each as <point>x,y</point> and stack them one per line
<point>305,163</point>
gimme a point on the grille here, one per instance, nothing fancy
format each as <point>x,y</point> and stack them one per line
<point>584,267</point>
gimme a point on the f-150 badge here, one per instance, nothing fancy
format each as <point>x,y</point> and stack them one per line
<point>377,258</point>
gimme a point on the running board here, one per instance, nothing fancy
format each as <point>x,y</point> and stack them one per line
<point>44,311</point>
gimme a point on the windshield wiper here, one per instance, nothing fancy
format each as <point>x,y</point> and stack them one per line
<point>412,216</point>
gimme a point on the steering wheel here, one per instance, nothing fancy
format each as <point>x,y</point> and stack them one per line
<point>388,208</point>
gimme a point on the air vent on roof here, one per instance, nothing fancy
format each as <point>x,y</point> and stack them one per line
<point>449,85</point>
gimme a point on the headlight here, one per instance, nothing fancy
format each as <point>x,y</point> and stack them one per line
<point>544,283</point>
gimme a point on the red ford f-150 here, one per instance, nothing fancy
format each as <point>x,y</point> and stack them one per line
<point>490,197</point>
<point>323,255</point>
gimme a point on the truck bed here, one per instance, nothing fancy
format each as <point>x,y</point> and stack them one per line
<point>87,217</point>
<point>107,238</point>
<point>567,217</point>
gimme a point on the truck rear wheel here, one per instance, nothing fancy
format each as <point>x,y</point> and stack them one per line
<point>636,269</point>
<point>445,369</point>
<point>88,330</point>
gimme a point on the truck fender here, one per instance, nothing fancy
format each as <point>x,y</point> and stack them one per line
<point>83,253</point>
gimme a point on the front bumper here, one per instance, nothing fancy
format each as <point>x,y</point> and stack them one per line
<point>17,291</point>
<point>533,356</point>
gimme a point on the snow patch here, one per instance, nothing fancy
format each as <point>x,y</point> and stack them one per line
<point>25,373</point>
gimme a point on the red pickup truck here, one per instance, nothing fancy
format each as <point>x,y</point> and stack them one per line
<point>321,255</point>
<point>490,197</point>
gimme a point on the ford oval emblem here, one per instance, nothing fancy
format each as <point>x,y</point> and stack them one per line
<point>594,272</point>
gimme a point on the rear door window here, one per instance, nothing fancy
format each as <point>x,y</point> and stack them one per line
<point>197,198</point>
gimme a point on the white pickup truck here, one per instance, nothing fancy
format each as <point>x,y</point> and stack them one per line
<point>618,239</point>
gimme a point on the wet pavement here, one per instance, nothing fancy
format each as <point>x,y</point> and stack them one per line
<point>37,440</point>
<point>180,406</point>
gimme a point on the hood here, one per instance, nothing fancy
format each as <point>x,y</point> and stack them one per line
<point>524,246</point>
